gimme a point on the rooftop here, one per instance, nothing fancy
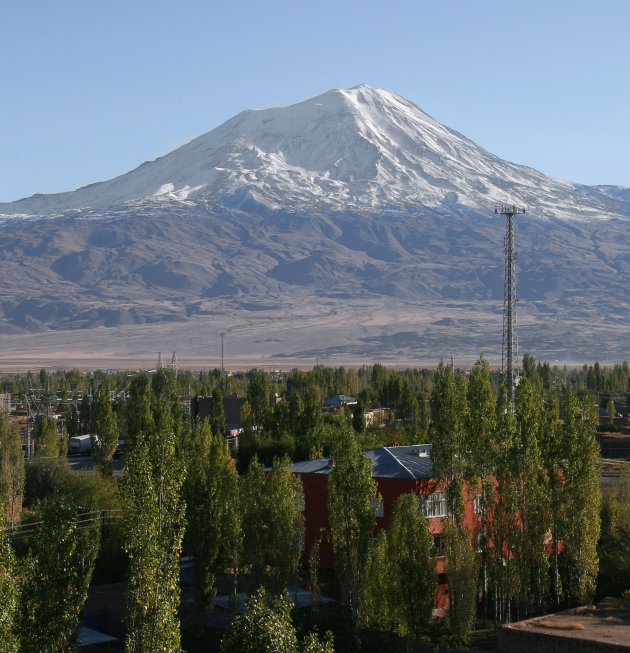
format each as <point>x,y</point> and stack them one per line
<point>339,400</point>
<point>412,462</point>
<point>605,626</point>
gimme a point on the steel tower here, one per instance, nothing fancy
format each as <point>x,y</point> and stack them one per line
<point>509,354</point>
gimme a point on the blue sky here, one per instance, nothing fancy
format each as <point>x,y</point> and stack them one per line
<point>92,89</point>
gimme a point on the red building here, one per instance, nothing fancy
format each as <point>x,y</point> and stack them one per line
<point>396,470</point>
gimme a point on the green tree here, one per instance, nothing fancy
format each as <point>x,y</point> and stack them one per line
<point>273,524</point>
<point>285,496</point>
<point>154,527</point>
<point>448,437</point>
<point>258,394</point>
<point>57,575</point>
<point>412,579</point>
<point>351,490</point>
<point>137,412</point>
<point>378,604</point>
<point>105,431</point>
<point>262,627</point>
<point>85,414</point>
<point>503,510</point>
<point>614,550</point>
<point>217,415</point>
<point>423,417</point>
<point>211,495</point>
<point>312,413</point>
<point>46,437</point>
<point>358,417</point>
<point>11,470</point>
<point>462,574</point>
<point>255,525</point>
<point>553,460</point>
<point>267,626</point>
<point>9,595</point>
<point>534,509</point>
<point>582,500</point>
<point>482,448</point>
<point>296,412</point>
<point>610,409</point>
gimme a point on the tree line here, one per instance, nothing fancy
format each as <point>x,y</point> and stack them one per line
<point>533,477</point>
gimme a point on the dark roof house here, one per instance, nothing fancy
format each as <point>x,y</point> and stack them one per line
<point>396,470</point>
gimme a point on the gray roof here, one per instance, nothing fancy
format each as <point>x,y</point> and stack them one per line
<point>339,400</point>
<point>387,462</point>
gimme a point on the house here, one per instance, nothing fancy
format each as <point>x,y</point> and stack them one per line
<point>396,470</point>
<point>377,416</point>
<point>336,403</point>
<point>201,407</point>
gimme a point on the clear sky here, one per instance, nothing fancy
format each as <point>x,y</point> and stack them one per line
<point>91,89</point>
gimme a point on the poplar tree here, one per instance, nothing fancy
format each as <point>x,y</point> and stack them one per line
<point>503,510</point>
<point>377,608</point>
<point>258,394</point>
<point>533,504</point>
<point>423,417</point>
<point>138,413</point>
<point>154,527</point>
<point>554,463</point>
<point>273,524</point>
<point>411,576</point>
<point>57,575</point>
<point>581,499</point>
<point>351,490</point>
<point>462,573</point>
<point>105,427</point>
<point>217,415</point>
<point>448,451</point>
<point>614,552</point>
<point>284,493</point>
<point>46,437</point>
<point>12,471</point>
<point>211,496</point>
<point>483,450</point>
<point>9,594</point>
<point>255,526</point>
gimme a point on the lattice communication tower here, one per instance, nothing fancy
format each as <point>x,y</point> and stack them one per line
<point>509,354</point>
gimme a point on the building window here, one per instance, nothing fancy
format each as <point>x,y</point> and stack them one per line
<point>479,542</point>
<point>377,506</point>
<point>434,505</point>
<point>477,504</point>
<point>300,501</point>
<point>437,550</point>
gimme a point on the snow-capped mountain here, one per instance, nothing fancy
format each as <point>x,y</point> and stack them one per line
<point>357,148</point>
<point>348,225</point>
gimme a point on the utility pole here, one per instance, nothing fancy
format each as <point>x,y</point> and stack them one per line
<point>509,354</point>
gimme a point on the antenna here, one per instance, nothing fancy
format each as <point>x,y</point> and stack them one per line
<point>509,354</point>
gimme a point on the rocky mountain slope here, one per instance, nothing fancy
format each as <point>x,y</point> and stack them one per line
<point>349,224</point>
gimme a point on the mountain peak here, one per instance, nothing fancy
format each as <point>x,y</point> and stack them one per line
<point>355,148</point>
